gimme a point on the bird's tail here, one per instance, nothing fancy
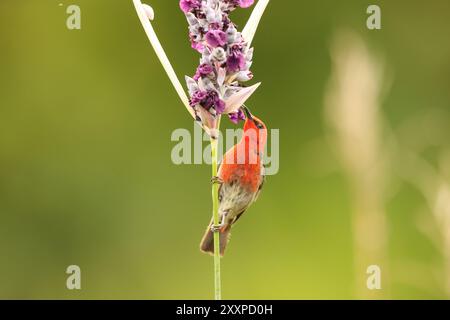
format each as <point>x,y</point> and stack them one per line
<point>207,243</point>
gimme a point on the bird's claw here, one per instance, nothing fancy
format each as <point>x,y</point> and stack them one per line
<point>217,228</point>
<point>216,180</point>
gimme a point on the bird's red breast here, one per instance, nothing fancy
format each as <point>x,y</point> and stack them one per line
<point>242,163</point>
<point>248,176</point>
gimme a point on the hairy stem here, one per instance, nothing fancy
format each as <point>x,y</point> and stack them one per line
<point>215,200</point>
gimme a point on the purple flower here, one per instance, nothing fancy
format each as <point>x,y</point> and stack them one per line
<point>216,38</point>
<point>241,3</point>
<point>203,70</point>
<point>236,62</point>
<point>220,106</point>
<point>216,88</point>
<point>198,97</point>
<point>197,46</point>
<point>237,116</point>
<point>208,100</point>
<point>189,5</point>
<point>245,3</point>
<point>213,100</point>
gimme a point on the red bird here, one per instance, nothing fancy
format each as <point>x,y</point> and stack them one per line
<point>241,177</point>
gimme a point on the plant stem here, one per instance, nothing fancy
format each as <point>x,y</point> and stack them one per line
<point>215,200</point>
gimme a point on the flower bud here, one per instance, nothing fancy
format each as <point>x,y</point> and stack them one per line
<point>218,55</point>
<point>249,55</point>
<point>192,20</point>
<point>148,11</point>
<point>231,34</point>
<point>244,76</point>
<point>210,15</point>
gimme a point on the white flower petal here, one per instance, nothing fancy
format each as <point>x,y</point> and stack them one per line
<point>222,72</point>
<point>249,55</point>
<point>235,101</point>
<point>191,84</point>
<point>149,11</point>
<point>244,76</point>
<point>206,84</point>
<point>207,120</point>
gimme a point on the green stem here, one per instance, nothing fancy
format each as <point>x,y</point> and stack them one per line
<point>215,200</point>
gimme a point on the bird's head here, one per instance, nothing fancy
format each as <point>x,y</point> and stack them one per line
<point>255,129</point>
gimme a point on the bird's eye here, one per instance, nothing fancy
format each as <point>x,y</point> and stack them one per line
<point>259,125</point>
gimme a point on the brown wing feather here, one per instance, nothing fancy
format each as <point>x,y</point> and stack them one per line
<point>238,216</point>
<point>256,197</point>
<point>263,180</point>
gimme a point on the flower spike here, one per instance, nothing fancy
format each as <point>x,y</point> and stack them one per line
<point>226,57</point>
<point>217,86</point>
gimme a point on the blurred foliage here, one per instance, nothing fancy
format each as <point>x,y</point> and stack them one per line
<point>86,178</point>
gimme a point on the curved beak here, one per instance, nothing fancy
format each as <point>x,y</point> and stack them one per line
<point>247,112</point>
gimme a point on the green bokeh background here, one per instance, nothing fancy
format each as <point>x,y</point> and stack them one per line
<point>86,176</point>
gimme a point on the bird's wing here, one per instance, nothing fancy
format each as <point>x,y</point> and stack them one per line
<point>260,187</point>
<point>254,199</point>
<point>220,193</point>
<point>238,216</point>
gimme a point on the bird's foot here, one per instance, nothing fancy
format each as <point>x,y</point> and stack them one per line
<point>216,180</point>
<point>217,228</point>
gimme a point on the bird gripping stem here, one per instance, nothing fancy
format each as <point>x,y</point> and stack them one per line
<point>215,199</point>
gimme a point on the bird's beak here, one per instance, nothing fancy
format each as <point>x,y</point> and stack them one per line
<point>247,112</point>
